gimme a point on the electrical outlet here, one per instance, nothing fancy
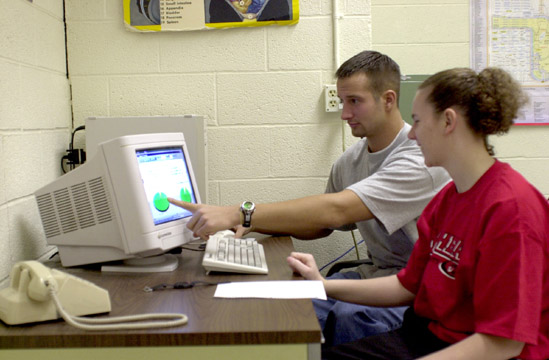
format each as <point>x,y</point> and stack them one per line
<point>333,103</point>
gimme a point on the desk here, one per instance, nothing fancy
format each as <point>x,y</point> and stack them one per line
<point>217,329</point>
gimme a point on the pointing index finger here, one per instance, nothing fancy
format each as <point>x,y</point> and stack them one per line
<point>183,204</point>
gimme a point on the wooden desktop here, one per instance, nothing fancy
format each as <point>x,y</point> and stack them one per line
<point>217,328</point>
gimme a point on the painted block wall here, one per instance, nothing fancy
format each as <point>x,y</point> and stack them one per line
<point>35,118</point>
<point>423,36</point>
<point>260,90</point>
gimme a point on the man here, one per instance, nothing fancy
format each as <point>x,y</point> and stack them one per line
<point>380,185</point>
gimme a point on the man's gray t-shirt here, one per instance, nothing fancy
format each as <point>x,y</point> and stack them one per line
<point>395,185</point>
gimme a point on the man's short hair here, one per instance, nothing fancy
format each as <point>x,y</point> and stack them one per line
<point>383,72</point>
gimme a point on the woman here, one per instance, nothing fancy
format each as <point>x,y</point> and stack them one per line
<point>478,277</point>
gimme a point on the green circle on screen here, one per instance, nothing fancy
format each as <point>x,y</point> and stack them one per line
<point>161,202</point>
<point>186,195</point>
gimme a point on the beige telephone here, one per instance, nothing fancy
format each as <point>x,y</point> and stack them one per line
<point>38,293</point>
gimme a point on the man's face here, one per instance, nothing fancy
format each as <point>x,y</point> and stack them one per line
<point>362,111</point>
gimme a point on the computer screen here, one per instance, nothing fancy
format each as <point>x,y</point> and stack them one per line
<point>115,206</point>
<point>100,129</point>
<point>165,173</point>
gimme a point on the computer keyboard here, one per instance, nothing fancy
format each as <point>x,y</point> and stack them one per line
<point>225,253</point>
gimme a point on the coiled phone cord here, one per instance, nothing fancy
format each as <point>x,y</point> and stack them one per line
<point>118,322</point>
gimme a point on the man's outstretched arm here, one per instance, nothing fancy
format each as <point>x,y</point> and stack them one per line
<point>305,218</point>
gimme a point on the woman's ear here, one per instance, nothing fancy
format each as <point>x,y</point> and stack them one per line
<point>450,120</point>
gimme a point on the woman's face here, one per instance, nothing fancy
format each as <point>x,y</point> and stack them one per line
<point>428,129</point>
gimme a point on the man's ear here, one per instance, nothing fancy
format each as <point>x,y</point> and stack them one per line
<point>390,98</point>
<point>450,120</point>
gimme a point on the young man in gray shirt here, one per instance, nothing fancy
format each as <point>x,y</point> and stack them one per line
<point>380,185</point>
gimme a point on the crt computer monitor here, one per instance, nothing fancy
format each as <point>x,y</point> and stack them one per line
<point>100,129</point>
<point>114,207</point>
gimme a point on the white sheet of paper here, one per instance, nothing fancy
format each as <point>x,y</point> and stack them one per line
<point>297,289</point>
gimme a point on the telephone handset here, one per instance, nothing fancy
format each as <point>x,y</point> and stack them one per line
<point>38,293</point>
<point>39,277</point>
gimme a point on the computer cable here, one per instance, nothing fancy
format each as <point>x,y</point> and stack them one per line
<point>342,255</point>
<point>356,245</point>
<point>181,285</point>
<point>73,156</point>
<point>194,246</point>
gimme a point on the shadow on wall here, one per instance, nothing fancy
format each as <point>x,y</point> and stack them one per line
<point>31,241</point>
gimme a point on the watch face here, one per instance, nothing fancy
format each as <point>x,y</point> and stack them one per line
<point>248,205</point>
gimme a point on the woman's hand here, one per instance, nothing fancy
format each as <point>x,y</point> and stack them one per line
<point>305,265</point>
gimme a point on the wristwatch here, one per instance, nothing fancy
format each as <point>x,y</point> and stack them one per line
<point>247,209</point>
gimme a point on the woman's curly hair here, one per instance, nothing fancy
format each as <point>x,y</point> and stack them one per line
<point>490,100</point>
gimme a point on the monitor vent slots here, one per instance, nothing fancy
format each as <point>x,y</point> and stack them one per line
<point>82,205</point>
<point>68,209</point>
<point>100,200</point>
<point>48,216</point>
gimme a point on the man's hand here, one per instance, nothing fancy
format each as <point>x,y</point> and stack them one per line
<point>305,265</point>
<point>240,231</point>
<point>208,219</point>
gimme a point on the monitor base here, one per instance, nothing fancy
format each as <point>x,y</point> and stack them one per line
<point>160,263</point>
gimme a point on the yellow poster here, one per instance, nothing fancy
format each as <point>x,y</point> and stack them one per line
<point>182,15</point>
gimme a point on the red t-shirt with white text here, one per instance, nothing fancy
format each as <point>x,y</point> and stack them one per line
<point>481,263</point>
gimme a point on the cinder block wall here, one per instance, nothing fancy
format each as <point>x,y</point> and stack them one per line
<point>35,118</point>
<point>260,90</point>
<point>423,36</point>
